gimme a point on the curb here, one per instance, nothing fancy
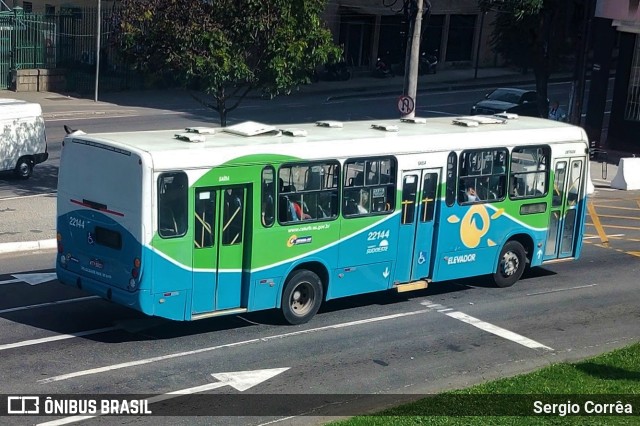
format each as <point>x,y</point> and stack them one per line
<point>28,246</point>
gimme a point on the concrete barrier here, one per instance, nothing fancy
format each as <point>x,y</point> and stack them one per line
<point>628,176</point>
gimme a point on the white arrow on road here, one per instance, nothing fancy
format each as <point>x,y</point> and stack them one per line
<point>31,279</point>
<point>240,380</point>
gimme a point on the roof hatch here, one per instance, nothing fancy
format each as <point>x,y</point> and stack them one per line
<point>252,128</point>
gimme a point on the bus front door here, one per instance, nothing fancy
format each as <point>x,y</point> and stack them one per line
<point>563,233</point>
<point>219,245</point>
<point>417,224</point>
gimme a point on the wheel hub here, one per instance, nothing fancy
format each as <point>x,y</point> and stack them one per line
<point>510,263</point>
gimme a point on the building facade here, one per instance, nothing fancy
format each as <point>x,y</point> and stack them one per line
<point>371,29</point>
<point>616,23</point>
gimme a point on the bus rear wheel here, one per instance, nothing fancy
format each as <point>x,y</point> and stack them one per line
<point>511,264</point>
<point>302,297</point>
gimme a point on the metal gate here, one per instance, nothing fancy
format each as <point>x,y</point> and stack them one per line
<point>26,41</point>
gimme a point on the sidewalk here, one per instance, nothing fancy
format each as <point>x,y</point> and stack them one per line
<point>38,231</point>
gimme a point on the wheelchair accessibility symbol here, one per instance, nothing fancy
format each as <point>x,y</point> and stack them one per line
<point>406,104</point>
<point>421,258</point>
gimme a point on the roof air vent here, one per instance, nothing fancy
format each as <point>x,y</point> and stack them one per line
<point>476,120</point>
<point>294,132</point>
<point>251,128</point>
<point>506,115</point>
<point>201,130</point>
<point>385,127</point>
<point>414,120</point>
<point>190,137</point>
<point>330,123</point>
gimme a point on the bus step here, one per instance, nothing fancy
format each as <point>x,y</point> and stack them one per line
<point>219,313</point>
<point>564,259</point>
<point>414,285</point>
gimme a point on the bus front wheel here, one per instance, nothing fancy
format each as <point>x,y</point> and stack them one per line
<point>302,297</point>
<point>511,264</point>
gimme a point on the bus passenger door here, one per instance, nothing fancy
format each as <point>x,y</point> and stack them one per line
<point>562,235</point>
<point>219,238</point>
<point>417,223</point>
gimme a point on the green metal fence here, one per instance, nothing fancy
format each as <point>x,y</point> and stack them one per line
<point>64,41</point>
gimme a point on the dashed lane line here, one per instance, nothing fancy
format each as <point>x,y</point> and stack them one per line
<point>228,345</point>
<point>485,326</point>
<point>56,338</point>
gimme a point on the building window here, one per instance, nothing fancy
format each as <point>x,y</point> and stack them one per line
<point>460,42</point>
<point>49,10</point>
<point>632,109</point>
<point>27,7</point>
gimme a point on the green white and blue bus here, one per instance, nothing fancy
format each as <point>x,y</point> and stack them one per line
<point>206,222</point>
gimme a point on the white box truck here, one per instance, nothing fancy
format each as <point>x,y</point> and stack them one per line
<point>23,142</point>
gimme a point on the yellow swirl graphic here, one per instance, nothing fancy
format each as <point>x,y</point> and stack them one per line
<point>470,234</point>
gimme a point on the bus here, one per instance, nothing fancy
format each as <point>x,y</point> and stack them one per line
<point>204,222</point>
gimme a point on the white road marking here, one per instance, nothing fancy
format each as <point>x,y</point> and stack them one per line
<point>498,331</point>
<point>482,325</point>
<point>56,338</point>
<point>561,289</point>
<point>28,196</point>
<point>228,345</point>
<point>42,305</point>
<point>595,237</point>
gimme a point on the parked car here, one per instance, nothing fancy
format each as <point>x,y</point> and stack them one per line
<point>517,101</point>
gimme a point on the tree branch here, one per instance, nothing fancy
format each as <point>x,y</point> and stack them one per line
<point>246,92</point>
<point>203,102</point>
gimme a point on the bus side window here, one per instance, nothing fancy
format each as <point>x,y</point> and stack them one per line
<point>452,178</point>
<point>172,204</point>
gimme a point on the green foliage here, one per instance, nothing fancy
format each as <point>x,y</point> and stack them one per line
<point>534,33</point>
<point>225,48</point>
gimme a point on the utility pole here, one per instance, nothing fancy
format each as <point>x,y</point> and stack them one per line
<point>413,55</point>
<point>98,42</point>
<point>577,86</point>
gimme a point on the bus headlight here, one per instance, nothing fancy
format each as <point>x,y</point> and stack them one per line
<point>63,260</point>
<point>133,285</point>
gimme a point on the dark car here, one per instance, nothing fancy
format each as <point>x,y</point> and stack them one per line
<point>517,101</point>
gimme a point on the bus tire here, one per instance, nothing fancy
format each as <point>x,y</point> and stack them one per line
<point>24,168</point>
<point>302,297</point>
<point>511,264</point>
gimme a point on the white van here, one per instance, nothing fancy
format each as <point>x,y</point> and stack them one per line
<point>23,142</point>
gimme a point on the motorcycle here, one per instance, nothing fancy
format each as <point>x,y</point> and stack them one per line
<point>428,63</point>
<point>382,70</point>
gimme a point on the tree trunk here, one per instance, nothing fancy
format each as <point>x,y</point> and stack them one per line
<point>222,109</point>
<point>542,45</point>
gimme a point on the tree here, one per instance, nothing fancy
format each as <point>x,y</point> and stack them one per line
<point>225,49</point>
<point>535,34</point>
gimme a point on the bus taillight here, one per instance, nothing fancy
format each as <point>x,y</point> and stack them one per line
<point>59,242</point>
<point>135,272</point>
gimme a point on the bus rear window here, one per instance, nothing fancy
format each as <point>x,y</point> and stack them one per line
<point>108,238</point>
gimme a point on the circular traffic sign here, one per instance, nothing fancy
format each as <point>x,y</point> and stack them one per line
<point>406,104</point>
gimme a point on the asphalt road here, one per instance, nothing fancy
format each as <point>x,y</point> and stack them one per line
<point>375,344</point>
